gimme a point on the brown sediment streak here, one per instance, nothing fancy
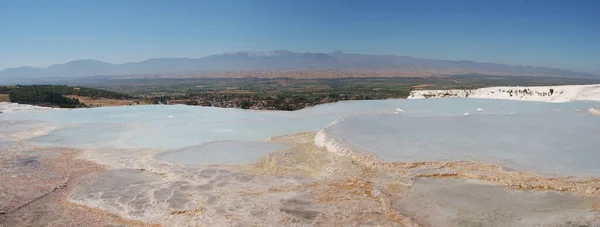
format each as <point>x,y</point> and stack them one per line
<point>467,169</point>
<point>337,192</point>
<point>357,187</point>
<point>189,212</point>
<point>495,174</point>
<point>350,182</point>
<point>113,217</point>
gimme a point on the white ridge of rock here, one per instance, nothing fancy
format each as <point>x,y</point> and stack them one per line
<point>7,107</point>
<point>564,93</point>
<point>338,148</point>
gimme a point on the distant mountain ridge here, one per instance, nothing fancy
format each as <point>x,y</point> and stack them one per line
<point>277,61</point>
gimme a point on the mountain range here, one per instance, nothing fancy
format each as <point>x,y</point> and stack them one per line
<point>280,60</point>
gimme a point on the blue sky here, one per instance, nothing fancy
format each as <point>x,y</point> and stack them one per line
<point>563,34</point>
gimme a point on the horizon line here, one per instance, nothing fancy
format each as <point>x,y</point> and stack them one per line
<point>302,52</point>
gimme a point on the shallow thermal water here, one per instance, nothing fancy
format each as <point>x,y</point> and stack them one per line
<point>187,165</point>
<point>549,138</point>
<point>226,153</point>
<point>563,142</point>
<point>180,126</point>
<point>468,203</point>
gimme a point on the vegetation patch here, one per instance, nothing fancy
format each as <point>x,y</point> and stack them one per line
<point>4,98</point>
<point>57,95</point>
<point>99,102</point>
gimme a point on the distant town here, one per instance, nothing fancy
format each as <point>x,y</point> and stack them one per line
<point>286,94</point>
<point>264,102</point>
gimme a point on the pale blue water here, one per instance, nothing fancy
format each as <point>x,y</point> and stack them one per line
<point>556,142</point>
<point>548,137</point>
<point>226,152</point>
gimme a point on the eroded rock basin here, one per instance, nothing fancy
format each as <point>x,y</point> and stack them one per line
<point>459,202</point>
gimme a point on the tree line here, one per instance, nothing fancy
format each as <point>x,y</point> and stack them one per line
<point>55,95</point>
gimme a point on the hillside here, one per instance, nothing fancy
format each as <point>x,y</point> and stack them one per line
<point>279,61</point>
<point>59,95</point>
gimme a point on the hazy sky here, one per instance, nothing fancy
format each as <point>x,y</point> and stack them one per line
<point>552,33</point>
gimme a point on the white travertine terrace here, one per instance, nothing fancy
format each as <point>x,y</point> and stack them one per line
<point>7,107</point>
<point>359,163</point>
<point>564,93</point>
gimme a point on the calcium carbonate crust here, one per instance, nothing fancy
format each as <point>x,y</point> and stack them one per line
<point>565,93</point>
